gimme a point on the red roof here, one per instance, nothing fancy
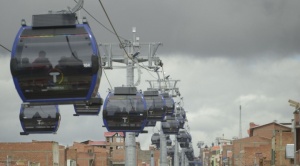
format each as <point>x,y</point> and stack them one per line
<point>110,134</point>
<point>215,148</point>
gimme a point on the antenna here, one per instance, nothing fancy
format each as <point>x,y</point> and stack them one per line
<point>240,134</point>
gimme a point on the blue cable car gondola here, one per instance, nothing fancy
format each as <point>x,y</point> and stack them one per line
<point>39,119</point>
<point>184,138</point>
<point>189,152</point>
<point>155,140</point>
<point>88,109</point>
<point>168,140</point>
<point>150,123</point>
<point>56,61</point>
<point>184,144</point>
<point>171,150</point>
<point>125,110</point>
<point>170,104</point>
<point>180,119</point>
<point>170,125</point>
<point>181,110</point>
<point>156,105</point>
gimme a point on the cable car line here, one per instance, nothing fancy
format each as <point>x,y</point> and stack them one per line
<point>107,79</point>
<point>99,22</point>
<point>115,32</point>
<point>5,48</point>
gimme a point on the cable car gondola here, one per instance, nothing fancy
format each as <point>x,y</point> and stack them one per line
<point>125,110</point>
<point>180,119</point>
<point>170,104</point>
<point>156,105</point>
<point>155,139</point>
<point>184,138</point>
<point>56,60</point>
<point>171,151</point>
<point>170,125</point>
<point>39,119</point>
<point>184,144</point>
<point>190,154</point>
<point>168,140</point>
<point>150,123</point>
<point>181,111</point>
<point>88,109</point>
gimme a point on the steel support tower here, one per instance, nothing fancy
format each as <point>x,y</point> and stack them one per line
<point>127,53</point>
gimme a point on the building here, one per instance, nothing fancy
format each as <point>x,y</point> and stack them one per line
<point>35,153</point>
<point>215,157</point>
<point>226,155</point>
<point>264,146</point>
<point>86,155</point>
<point>110,152</point>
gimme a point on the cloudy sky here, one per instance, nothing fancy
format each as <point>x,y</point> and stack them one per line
<point>225,54</point>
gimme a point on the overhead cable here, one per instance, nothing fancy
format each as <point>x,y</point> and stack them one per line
<point>5,48</point>
<point>99,22</point>
<point>115,32</point>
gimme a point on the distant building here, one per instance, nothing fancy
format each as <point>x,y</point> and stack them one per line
<point>86,155</point>
<point>215,156</point>
<point>110,152</point>
<point>227,155</point>
<point>264,146</point>
<point>35,153</point>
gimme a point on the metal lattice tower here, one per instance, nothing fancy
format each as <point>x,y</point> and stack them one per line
<point>115,53</point>
<point>240,127</point>
<point>164,85</point>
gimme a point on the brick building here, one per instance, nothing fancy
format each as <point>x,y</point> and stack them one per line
<point>110,152</point>
<point>143,156</point>
<point>35,153</point>
<point>226,154</point>
<point>86,155</point>
<point>264,146</point>
<point>215,156</point>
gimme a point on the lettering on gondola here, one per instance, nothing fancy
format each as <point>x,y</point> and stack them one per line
<point>57,76</point>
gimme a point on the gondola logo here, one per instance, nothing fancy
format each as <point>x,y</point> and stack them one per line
<point>57,76</point>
